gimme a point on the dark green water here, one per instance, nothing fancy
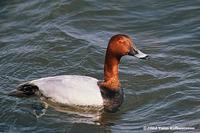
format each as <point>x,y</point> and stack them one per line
<point>40,38</point>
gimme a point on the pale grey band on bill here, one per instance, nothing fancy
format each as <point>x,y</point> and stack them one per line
<point>140,55</point>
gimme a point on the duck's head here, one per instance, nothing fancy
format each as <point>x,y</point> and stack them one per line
<point>118,46</point>
<point>121,45</point>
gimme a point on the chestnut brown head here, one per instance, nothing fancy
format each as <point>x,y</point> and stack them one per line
<point>120,45</point>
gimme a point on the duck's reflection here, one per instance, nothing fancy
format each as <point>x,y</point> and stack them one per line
<point>90,120</point>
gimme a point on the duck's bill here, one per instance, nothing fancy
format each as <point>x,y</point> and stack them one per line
<point>141,55</point>
<point>137,53</point>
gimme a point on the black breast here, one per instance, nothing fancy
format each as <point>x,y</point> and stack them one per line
<point>112,99</point>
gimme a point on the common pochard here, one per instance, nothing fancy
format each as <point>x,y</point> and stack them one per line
<point>75,90</point>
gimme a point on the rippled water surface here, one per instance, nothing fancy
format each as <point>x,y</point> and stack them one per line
<point>40,38</point>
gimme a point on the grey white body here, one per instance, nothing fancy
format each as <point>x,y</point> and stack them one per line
<point>70,90</point>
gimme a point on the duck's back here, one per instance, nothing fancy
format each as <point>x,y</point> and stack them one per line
<point>71,90</point>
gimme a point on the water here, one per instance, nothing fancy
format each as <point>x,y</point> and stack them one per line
<point>45,37</point>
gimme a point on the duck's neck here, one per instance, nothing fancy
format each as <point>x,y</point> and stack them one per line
<point>111,74</point>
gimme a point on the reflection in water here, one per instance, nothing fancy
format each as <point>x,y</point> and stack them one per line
<point>87,119</point>
<point>85,111</point>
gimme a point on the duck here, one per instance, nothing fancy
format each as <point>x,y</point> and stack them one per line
<point>85,91</point>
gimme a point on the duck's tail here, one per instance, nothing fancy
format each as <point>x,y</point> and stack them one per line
<point>25,90</point>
